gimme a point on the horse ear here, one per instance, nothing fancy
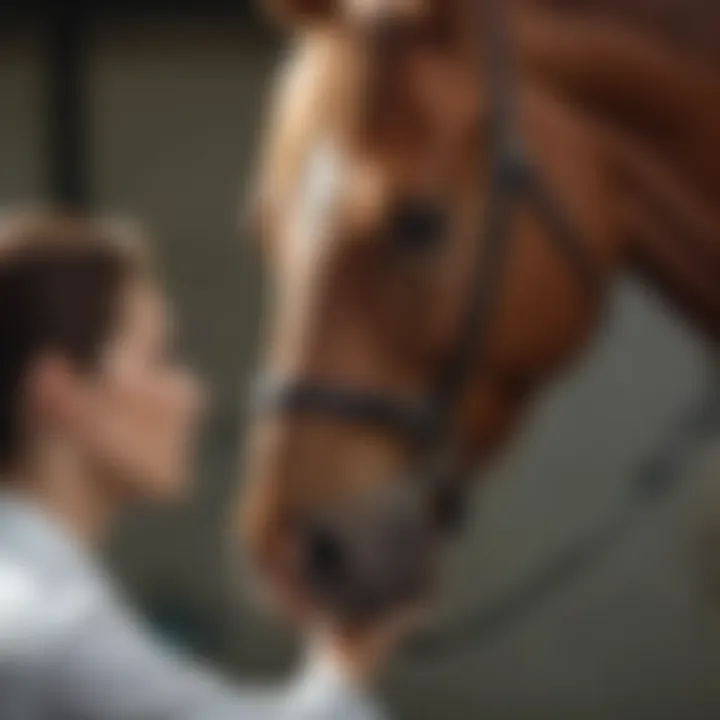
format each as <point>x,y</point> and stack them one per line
<point>302,12</point>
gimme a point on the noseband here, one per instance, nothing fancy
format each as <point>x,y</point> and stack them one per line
<point>427,423</point>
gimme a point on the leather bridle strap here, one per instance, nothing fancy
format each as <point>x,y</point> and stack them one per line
<point>384,412</point>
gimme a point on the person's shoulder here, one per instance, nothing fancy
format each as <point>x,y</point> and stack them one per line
<point>35,612</point>
<point>22,600</point>
<point>20,592</point>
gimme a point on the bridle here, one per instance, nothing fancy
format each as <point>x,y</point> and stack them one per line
<point>427,423</point>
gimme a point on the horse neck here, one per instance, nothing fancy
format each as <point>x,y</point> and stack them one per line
<point>657,111</point>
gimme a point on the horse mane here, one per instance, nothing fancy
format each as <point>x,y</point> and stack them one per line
<point>687,25</point>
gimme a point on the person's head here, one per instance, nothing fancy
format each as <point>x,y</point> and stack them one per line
<point>89,390</point>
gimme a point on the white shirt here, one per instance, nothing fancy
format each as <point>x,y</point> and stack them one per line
<point>70,649</point>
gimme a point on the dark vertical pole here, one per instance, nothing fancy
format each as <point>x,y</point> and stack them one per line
<point>68,181</point>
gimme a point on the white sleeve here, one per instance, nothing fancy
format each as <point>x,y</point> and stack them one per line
<point>108,668</point>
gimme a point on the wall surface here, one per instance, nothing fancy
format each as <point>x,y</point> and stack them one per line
<point>175,118</point>
<point>21,123</point>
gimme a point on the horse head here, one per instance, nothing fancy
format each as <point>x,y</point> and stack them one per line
<point>440,224</point>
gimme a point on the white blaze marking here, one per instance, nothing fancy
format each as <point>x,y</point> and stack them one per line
<point>310,235</point>
<point>319,192</point>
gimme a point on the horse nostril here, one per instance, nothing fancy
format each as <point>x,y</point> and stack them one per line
<point>325,558</point>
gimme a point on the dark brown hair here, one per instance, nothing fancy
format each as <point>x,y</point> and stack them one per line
<point>61,278</point>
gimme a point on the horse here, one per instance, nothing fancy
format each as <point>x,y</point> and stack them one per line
<point>446,193</point>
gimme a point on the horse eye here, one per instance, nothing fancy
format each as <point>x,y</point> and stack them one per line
<point>417,224</point>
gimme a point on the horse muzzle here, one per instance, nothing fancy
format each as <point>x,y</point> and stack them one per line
<point>371,559</point>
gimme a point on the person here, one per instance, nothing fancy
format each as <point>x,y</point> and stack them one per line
<point>95,412</point>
